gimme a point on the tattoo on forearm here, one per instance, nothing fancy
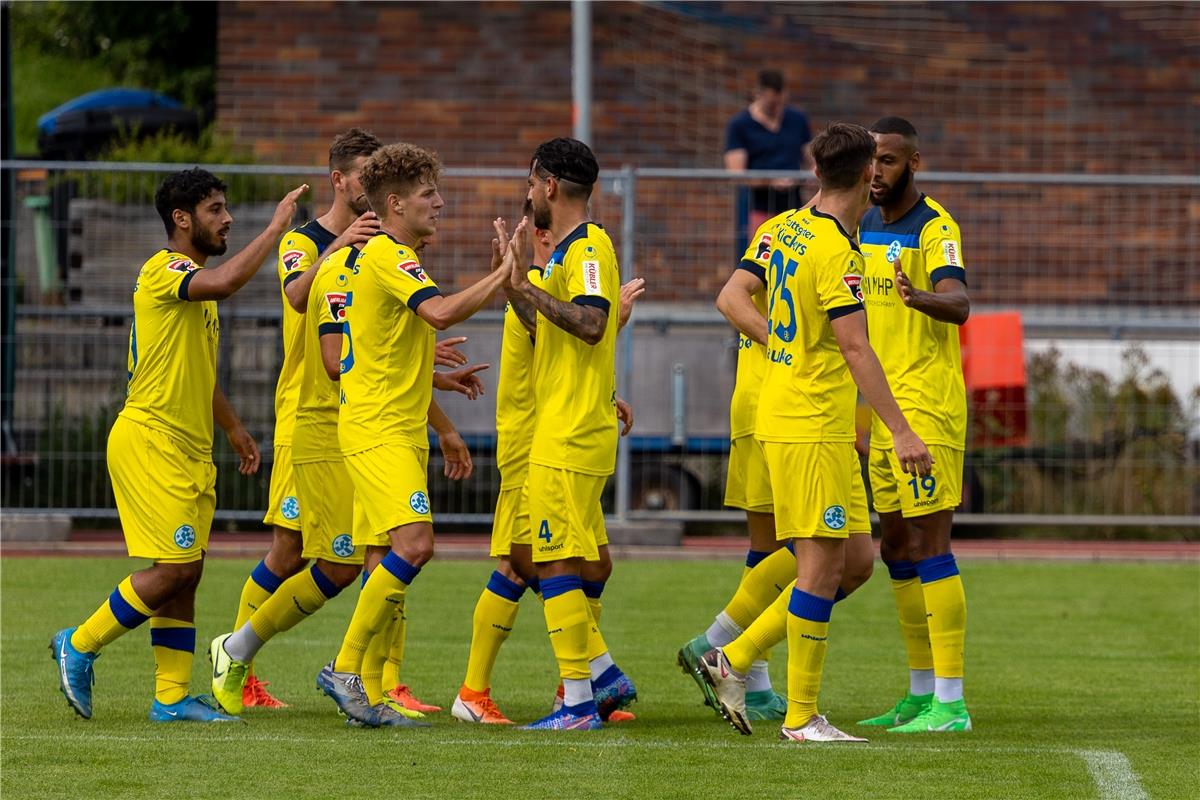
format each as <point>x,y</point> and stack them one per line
<point>524,310</point>
<point>584,322</point>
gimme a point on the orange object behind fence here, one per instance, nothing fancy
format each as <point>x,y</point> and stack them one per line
<point>993,354</point>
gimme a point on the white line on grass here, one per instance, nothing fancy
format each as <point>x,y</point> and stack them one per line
<point>1113,774</point>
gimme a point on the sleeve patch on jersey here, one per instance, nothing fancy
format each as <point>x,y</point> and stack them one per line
<point>591,277</point>
<point>413,270</point>
<point>182,265</point>
<point>291,259</point>
<point>854,284</point>
<point>764,248</point>
<point>337,305</point>
<point>950,254</point>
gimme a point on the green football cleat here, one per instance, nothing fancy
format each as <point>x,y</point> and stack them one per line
<point>767,704</point>
<point>905,710</point>
<point>689,661</point>
<point>938,718</point>
<point>228,676</point>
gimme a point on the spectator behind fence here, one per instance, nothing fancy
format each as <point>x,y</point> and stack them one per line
<point>767,134</point>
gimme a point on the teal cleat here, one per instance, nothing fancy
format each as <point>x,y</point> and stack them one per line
<point>190,709</point>
<point>689,661</point>
<point>75,674</point>
<point>765,705</point>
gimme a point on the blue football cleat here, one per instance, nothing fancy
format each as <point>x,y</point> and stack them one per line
<point>190,709</point>
<point>346,689</point>
<point>583,717</point>
<point>75,674</point>
<point>613,691</point>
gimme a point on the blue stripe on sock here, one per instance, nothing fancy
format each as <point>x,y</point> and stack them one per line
<point>936,568</point>
<point>404,571</point>
<point>560,584</point>
<point>127,615</point>
<point>327,587</point>
<point>839,595</point>
<point>263,576</point>
<point>901,570</point>
<point>809,606</point>
<point>534,585</point>
<point>755,556</point>
<point>174,638</point>
<point>593,589</point>
<point>503,587</point>
<point>791,546</point>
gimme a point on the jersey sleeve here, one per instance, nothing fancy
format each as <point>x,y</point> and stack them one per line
<point>941,245</point>
<point>758,252</point>
<point>839,284</point>
<point>329,289</point>
<point>403,277</point>
<point>167,282</point>
<point>297,253</point>
<point>591,276</point>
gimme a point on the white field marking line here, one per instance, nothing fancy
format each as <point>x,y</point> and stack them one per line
<point>1113,774</point>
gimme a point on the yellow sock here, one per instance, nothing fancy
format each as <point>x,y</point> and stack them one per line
<point>495,612</point>
<point>174,644</point>
<point>596,645</point>
<point>946,610</point>
<point>761,587</point>
<point>120,613</point>
<point>807,634</point>
<point>297,598</point>
<point>383,592</point>
<point>764,633</point>
<point>398,638</point>
<point>568,620</point>
<point>910,607</point>
<point>374,658</point>
<point>261,584</point>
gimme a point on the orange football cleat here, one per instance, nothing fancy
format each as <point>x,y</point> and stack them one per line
<point>472,706</point>
<point>255,695</point>
<point>404,696</point>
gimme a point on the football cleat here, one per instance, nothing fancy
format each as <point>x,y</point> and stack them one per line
<point>390,714</point>
<point>404,696</point>
<point>583,717</point>
<point>939,717</point>
<point>729,688</point>
<point>817,729</point>
<point>621,716</point>
<point>688,660</point>
<point>346,689</point>
<point>255,694</point>
<point>75,674</point>
<point>765,705</point>
<point>228,676</point>
<point>478,707</point>
<point>906,710</point>
<point>190,709</point>
<point>613,691</point>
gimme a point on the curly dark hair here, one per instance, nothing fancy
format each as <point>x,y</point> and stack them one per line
<point>350,145</point>
<point>184,190</point>
<point>569,160</point>
<point>842,151</point>
<point>398,169</point>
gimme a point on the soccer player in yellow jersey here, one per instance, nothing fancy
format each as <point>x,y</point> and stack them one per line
<point>817,351</point>
<point>160,447</point>
<point>393,307</point>
<point>914,288</point>
<point>347,222</point>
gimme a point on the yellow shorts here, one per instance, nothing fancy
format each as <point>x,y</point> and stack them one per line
<point>748,486</point>
<point>566,520</point>
<point>818,489</point>
<point>165,497</point>
<point>892,489</point>
<point>392,489</point>
<point>283,510</point>
<point>327,495</point>
<point>510,522</point>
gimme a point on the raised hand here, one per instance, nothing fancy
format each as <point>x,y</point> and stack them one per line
<point>903,285</point>
<point>287,207</point>
<point>630,293</point>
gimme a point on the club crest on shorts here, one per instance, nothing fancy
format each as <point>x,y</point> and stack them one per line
<point>835,517</point>
<point>343,546</point>
<point>893,251</point>
<point>419,502</point>
<point>290,508</point>
<point>185,536</point>
<point>290,259</point>
<point>413,270</point>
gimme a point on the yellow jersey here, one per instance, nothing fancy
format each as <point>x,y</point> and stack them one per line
<point>514,397</point>
<point>808,394</point>
<point>299,250</point>
<point>387,370</point>
<point>316,435</point>
<point>920,355</point>
<point>752,356</point>
<point>574,383</point>
<point>173,355</point>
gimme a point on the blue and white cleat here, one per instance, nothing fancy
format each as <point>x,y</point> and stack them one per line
<point>613,691</point>
<point>583,717</point>
<point>346,689</point>
<point>190,709</point>
<point>75,674</point>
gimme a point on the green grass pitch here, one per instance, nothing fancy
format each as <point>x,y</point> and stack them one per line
<point>1083,681</point>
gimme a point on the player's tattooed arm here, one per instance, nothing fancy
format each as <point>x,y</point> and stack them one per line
<point>584,322</point>
<point>524,309</point>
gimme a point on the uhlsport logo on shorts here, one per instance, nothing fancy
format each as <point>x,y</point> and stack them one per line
<point>419,502</point>
<point>185,536</point>
<point>835,517</point>
<point>290,508</point>
<point>893,251</point>
<point>343,546</point>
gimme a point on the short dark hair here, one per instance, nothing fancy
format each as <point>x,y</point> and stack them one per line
<point>569,160</point>
<point>184,190</point>
<point>398,169</point>
<point>897,125</point>
<point>771,79</point>
<point>350,145</point>
<point>842,151</point>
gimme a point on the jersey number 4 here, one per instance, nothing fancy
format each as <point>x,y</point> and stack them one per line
<point>544,532</point>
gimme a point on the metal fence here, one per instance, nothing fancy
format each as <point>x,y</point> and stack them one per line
<point>1095,423</point>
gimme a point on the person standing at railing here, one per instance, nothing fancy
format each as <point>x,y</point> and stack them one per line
<point>915,292</point>
<point>767,134</point>
<point>160,447</point>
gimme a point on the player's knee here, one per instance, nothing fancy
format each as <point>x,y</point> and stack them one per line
<point>342,575</point>
<point>504,567</point>
<point>417,553</point>
<point>181,577</point>
<point>599,571</point>
<point>891,552</point>
<point>286,555</point>
<point>858,570</point>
